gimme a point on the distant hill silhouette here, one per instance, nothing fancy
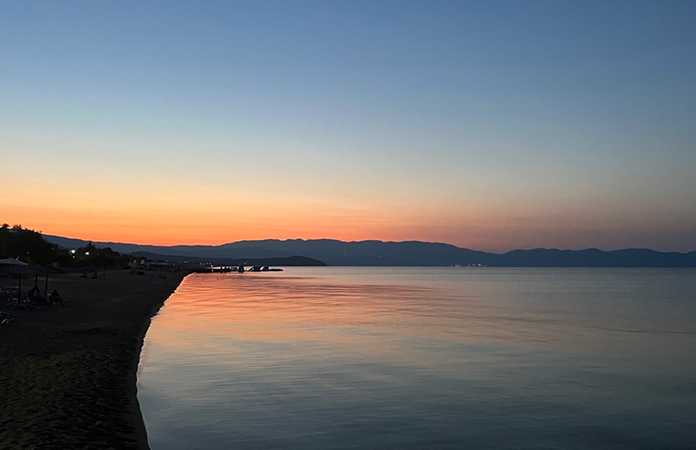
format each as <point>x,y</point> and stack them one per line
<point>410,253</point>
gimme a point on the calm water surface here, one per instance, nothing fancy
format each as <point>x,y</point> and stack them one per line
<point>414,358</point>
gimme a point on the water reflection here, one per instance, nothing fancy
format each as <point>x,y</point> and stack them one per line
<point>415,358</point>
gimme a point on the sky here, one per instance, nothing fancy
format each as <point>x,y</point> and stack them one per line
<point>491,125</point>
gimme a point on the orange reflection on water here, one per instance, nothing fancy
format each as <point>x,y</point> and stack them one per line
<point>349,314</point>
<point>216,311</point>
<point>233,304</point>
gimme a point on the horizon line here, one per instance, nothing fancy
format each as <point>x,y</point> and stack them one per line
<point>372,240</point>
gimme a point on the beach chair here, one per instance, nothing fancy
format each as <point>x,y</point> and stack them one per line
<point>29,306</point>
<point>25,304</point>
<point>7,297</point>
<point>6,318</point>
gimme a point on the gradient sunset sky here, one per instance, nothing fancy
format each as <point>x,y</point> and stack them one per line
<point>491,125</point>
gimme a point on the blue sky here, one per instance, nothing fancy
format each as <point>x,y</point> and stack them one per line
<point>493,125</point>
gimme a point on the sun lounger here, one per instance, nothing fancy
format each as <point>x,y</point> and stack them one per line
<point>7,296</point>
<point>6,318</point>
<point>26,305</point>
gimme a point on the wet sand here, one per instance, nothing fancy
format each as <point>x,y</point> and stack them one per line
<point>68,374</point>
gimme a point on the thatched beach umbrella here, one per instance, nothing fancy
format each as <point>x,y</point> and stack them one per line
<point>11,262</point>
<point>35,270</point>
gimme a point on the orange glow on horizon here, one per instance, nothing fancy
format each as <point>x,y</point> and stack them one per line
<point>180,218</point>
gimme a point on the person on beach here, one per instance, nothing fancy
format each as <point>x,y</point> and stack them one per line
<point>55,298</point>
<point>35,294</point>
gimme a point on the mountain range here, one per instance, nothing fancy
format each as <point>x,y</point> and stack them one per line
<point>409,253</point>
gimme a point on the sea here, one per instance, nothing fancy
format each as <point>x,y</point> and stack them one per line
<point>424,358</point>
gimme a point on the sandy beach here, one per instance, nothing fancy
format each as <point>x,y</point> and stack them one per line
<point>68,374</point>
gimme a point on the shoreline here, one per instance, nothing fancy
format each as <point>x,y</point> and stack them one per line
<point>68,375</point>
